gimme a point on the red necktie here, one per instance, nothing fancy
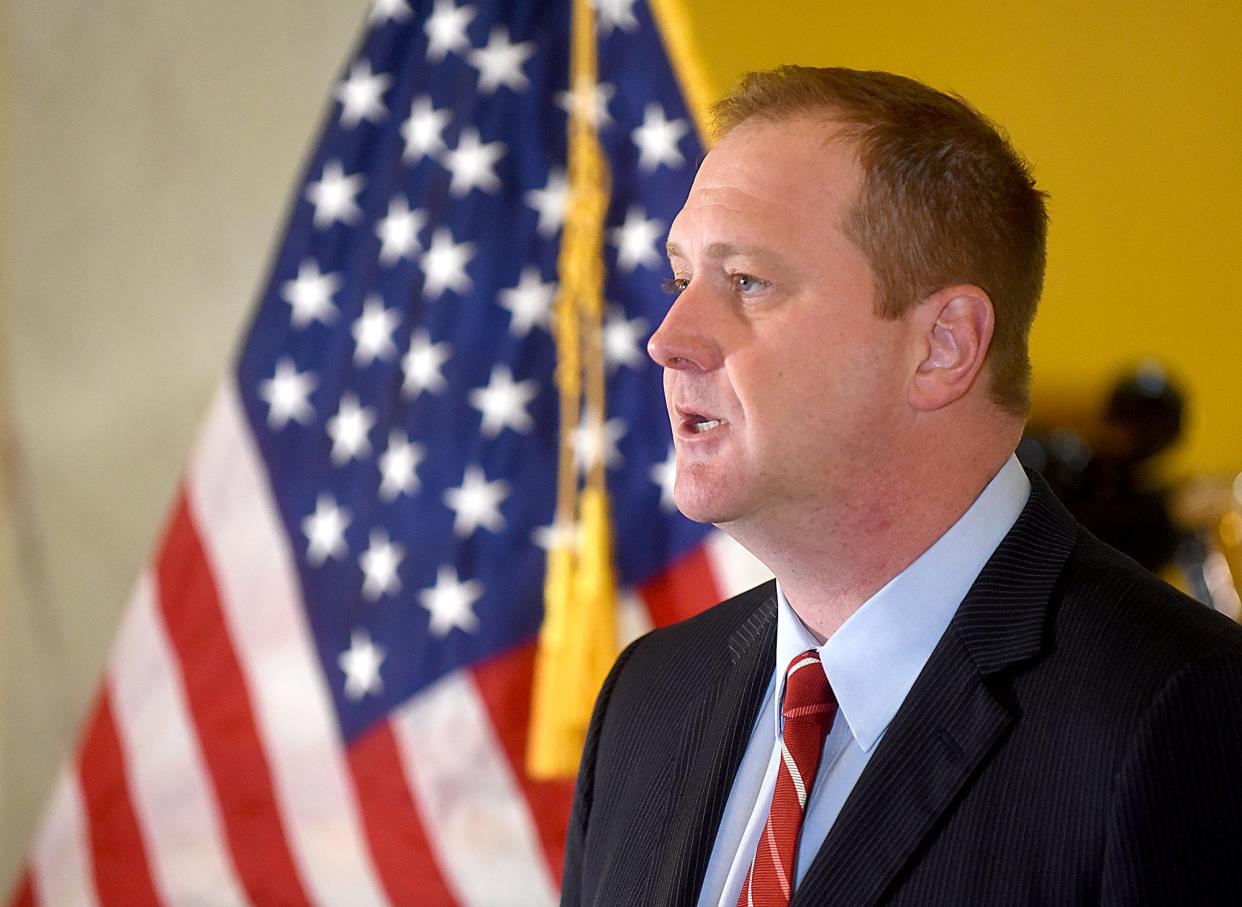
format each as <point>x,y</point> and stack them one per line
<point>808,709</point>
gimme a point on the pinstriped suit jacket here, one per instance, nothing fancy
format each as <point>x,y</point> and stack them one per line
<point>1075,738</point>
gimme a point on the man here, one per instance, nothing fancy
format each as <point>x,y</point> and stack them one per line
<point>952,694</point>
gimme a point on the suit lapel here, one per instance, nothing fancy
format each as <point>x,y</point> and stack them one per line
<point>717,734</point>
<point>936,740</point>
<point>951,721</point>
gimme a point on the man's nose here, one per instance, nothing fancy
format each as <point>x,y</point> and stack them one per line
<point>685,339</point>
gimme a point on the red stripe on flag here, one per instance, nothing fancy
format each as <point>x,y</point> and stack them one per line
<point>119,858</point>
<point>219,702</point>
<point>682,590</point>
<point>24,893</point>
<point>403,855</point>
<point>504,683</point>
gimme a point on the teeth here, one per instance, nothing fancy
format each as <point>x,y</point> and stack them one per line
<point>701,427</point>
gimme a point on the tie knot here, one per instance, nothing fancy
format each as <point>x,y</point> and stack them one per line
<point>808,697</point>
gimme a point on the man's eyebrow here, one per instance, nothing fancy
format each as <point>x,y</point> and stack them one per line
<point>719,250</point>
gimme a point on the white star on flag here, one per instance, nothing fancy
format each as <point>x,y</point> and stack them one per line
<point>500,61</point>
<point>615,14</point>
<point>286,395</point>
<point>657,139</point>
<point>503,403</point>
<point>360,95</point>
<point>399,465</point>
<point>372,332</point>
<point>310,294</point>
<point>398,231</point>
<point>665,475</point>
<point>623,340</point>
<point>385,10</point>
<point>333,196</point>
<point>424,130</point>
<point>529,303</point>
<point>446,29</point>
<point>444,265</point>
<point>636,240</point>
<point>472,163</point>
<point>451,602</point>
<point>379,566</point>
<point>361,663</point>
<point>348,430</point>
<point>592,104</point>
<point>594,442</point>
<point>550,202</point>
<point>476,502</point>
<point>325,531</point>
<point>422,363</point>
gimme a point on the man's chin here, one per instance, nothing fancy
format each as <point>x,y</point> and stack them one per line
<point>706,508</point>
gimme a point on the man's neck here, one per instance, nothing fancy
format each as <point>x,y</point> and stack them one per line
<point>831,560</point>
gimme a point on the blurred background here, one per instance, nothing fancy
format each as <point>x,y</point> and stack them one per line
<point>148,151</point>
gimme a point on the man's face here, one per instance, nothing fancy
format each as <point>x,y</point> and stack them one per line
<point>785,391</point>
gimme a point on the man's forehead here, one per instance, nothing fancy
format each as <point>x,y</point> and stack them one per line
<point>809,136</point>
<point>792,173</point>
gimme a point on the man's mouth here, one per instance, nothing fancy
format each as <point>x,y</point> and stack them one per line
<point>697,423</point>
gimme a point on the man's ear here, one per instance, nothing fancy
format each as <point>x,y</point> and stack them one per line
<point>955,329</point>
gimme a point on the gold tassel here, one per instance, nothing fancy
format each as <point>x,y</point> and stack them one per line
<point>577,642</point>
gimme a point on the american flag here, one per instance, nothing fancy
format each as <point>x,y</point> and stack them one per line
<point>321,688</point>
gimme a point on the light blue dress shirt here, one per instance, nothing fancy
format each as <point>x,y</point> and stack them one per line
<point>871,661</point>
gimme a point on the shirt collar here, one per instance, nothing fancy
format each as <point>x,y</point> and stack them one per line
<point>873,659</point>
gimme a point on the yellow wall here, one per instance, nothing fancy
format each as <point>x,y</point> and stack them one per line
<point>1132,116</point>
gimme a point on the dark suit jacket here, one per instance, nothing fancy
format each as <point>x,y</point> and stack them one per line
<point>1075,738</point>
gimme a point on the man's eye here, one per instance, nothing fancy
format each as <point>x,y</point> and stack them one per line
<point>748,283</point>
<point>674,285</point>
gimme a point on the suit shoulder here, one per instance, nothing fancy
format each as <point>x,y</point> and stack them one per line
<point>712,629</point>
<point>671,663</point>
<point>1119,636</point>
<point>1112,594</point>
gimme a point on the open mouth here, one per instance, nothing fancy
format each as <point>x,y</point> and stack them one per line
<point>697,423</point>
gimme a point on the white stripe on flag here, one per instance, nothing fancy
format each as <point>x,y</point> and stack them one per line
<point>475,815</point>
<point>736,569</point>
<point>172,797</point>
<point>249,555</point>
<point>61,856</point>
<point>633,618</point>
